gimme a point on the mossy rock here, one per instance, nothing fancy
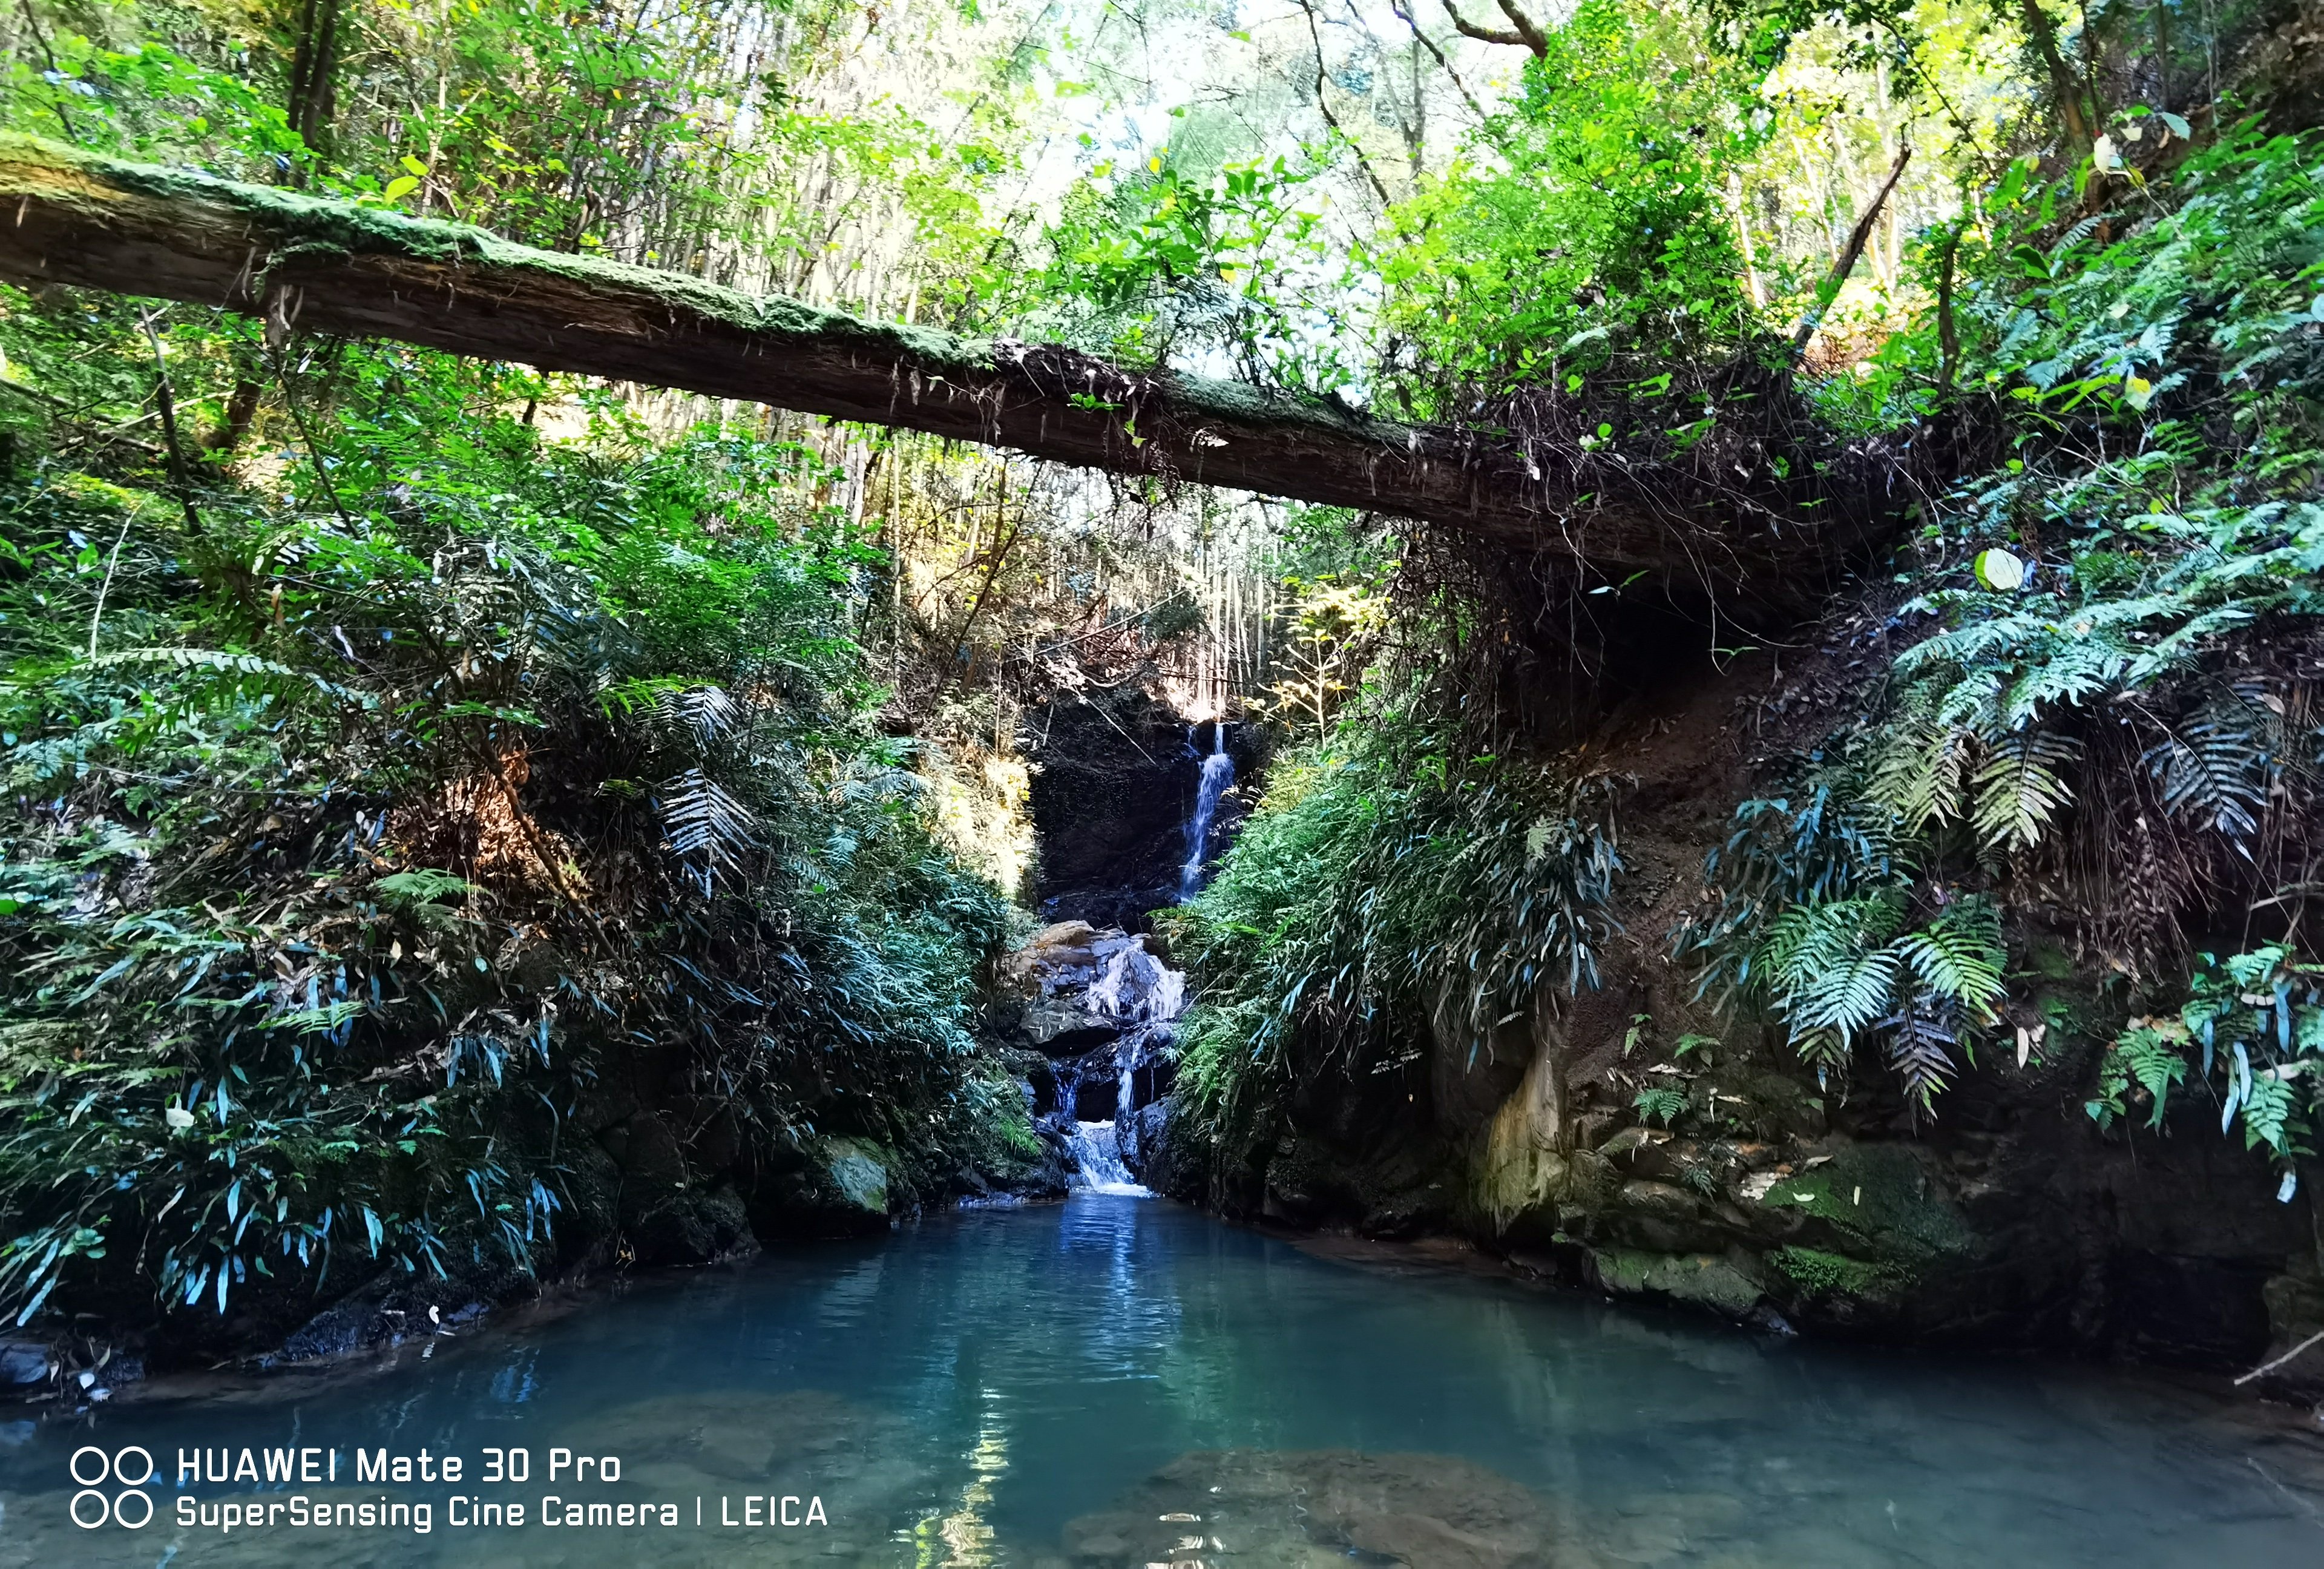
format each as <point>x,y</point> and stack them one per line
<point>858,1170</point>
<point>1773,1105</point>
<point>1709,1280</point>
<point>1819,1273</point>
<point>826,1187</point>
<point>1880,1200</point>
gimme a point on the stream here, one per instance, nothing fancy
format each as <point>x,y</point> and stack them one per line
<point>1126,1381</point>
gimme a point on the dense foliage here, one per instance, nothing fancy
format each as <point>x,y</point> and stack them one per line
<point>1388,892</point>
<point>358,830</point>
<point>2113,334</point>
<point>402,751</point>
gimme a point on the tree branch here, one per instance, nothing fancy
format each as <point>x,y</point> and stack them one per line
<point>2267,1368</point>
<point>1404,13</point>
<point>1527,32</point>
<point>1325,104</point>
<point>1469,29</point>
<point>1698,523</point>
<point>1846,261</point>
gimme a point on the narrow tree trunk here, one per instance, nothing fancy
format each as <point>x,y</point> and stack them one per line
<point>2065,90</point>
<point>314,74</point>
<point>1844,263</point>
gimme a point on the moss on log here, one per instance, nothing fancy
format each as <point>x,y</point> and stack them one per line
<point>1525,485</point>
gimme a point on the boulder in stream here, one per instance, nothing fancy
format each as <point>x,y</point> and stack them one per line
<point>830,1187</point>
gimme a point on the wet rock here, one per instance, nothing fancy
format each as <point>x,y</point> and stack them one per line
<point>667,1212</point>
<point>1667,1218</point>
<point>1718,1283</point>
<point>1061,1028</point>
<point>1097,1089</point>
<point>647,1150</point>
<point>1086,989</point>
<point>1132,985</point>
<point>1467,1085</point>
<point>859,1172</point>
<point>24,1361</point>
<point>1144,1137</point>
<point>709,1132</point>
<point>1150,1057</point>
<point>1057,957</point>
<point>393,1309</point>
<point>1397,1188</point>
<point>828,1187</point>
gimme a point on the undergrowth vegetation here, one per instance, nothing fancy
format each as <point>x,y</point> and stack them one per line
<point>2124,742</point>
<point>365,828</point>
<point>1390,889</point>
<point>2089,721</point>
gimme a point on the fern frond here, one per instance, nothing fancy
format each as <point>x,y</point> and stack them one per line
<point>229,662</point>
<point>1848,998</point>
<point>2073,237</point>
<point>1974,701</point>
<point>702,822</point>
<point>1659,1104</point>
<point>1958,957</point>
<point>1973,644</point>
<point>2083,668</point>
<point>2188,641</point>
<point>189,659</point>
<point>705,712</point>
<point>2018,791</point>
<point>1921,1042</point>
<point>2215,774</point>
<point>1921,772</point>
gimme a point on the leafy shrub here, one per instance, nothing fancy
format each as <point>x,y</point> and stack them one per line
<point>2253,1030</point>
<point>1386,889</point>
<point>357,829</point>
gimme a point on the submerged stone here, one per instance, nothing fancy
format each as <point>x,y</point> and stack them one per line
<point>1319,1507</point>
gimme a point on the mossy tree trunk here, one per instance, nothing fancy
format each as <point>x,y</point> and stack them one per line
<point>1532,483</point>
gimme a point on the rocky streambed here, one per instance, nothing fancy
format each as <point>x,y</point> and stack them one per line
<point>1089,1015</point>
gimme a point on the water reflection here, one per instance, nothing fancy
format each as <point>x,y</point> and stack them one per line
<point>1123,1381</point>
<point>965,1537</point>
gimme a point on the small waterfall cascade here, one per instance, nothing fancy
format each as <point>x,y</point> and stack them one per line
<point>1096,1150</point>
<point>1218,778</point>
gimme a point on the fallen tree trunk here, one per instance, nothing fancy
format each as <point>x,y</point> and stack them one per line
<point>1537,481</point>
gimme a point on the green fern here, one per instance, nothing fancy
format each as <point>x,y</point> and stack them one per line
<point>420,887</point>
<point>1659,1104</point>
<point>2253,1027</point>
<point>1921,772</point>
<point>1829,965</point>
<point>2145,1057</point>
<point>2214,773</point>
<point>228,662</point>
<point>1958,957</point>
<point>1841,971</point>
<point>2017,788</point>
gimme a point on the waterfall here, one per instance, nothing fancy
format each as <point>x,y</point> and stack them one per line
<point>1097,1161</point>
<point>1218,776</point>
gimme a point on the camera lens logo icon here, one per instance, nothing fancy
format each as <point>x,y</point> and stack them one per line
<point>128,1470</point>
